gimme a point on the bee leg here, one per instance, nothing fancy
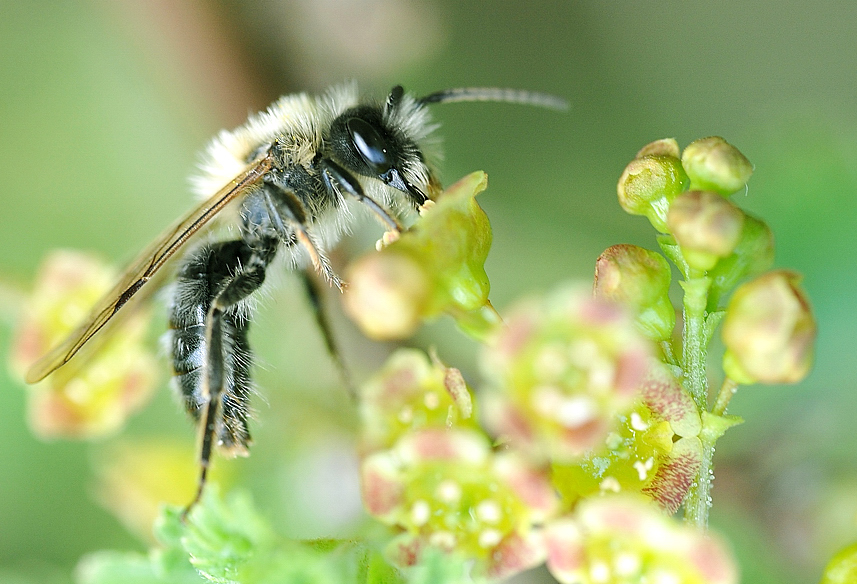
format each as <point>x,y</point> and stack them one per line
<point>321,318</point>
<point>217,279</point>
<point>281,202</point>
<point>349,184</point>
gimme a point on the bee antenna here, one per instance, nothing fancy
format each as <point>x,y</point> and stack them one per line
<point>496,94</point>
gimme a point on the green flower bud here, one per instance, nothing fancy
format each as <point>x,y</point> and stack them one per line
<point>662,147</point>
<point>769,331</point>
<point>715,165</point>
<point>649,184</point>
<point>706,226</point>
<point>640,279</point>
<point>92,396</point>
<point>753,254</point>
<point>436,267</point>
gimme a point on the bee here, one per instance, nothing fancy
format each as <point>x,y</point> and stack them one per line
<point>290,181</point>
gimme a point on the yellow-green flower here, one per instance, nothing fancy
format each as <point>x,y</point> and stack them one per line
<point>561,372</point>
<point>623,540</point>
<point>445,489</point>
<point>409,393</point>
<point>93,395</point>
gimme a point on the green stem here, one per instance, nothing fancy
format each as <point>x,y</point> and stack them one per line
<point>727,390</point>
<point>695,348</point>
<point>694,356</point>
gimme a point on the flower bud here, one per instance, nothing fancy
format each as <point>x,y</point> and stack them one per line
<point>387,295</point>
<point>715,165</point>
<point>622,539</point>
<point>638,278</point>
<point>706,226</point>
<point>435,267</point>
<point>769,330</point>
<point>662,147</point>
<point>753,254</point>
<point>649,184</point>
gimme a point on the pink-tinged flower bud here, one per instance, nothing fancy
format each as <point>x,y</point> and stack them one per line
<point>410,393</point>
<point>561,372</point>
<point>715,165</point>
<point>769,330</point>
<point>94,394</point>
<point>447,490</point>
<point>638,278</point>
<point>623,539</point>
<point>648,186</point>
<point>706,226</point>
<point>436,267</point>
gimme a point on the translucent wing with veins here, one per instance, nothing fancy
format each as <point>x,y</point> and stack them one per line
<point>144,269</point>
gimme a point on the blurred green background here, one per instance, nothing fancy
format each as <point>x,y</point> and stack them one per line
<point>104,105</point>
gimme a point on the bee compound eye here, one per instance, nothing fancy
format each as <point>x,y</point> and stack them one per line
<point>371,146</point>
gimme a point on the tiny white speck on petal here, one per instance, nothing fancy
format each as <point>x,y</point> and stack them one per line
<point>449,491</point>
<point>489,538</point>
<point>420,513</point>
<point>488,511</point>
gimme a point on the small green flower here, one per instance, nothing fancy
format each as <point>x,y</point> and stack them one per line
<point>654,450</point>
<point>622,540</point>
<point>446,489</point>
<point>562,370</point>
<point>715,165</point>
<point>410,393</point>
<point>436,267</point>
<point>706,226</point>
<point>769,330</point>
<point>651,181</point>
<point>638,278</point>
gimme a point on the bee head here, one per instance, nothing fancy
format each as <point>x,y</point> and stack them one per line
<point>381,141</point>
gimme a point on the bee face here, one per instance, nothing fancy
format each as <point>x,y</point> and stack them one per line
<point>381,142</point>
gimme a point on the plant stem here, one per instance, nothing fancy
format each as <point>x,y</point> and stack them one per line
<point>694,354</point>
<point>695,349</point>
<point>727,390</point>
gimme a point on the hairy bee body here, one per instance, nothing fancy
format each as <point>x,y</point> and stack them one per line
<point>287,184</point>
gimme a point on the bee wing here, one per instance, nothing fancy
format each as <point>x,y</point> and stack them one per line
<point>144,268</point>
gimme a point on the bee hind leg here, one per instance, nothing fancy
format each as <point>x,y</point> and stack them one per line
<point>214,377</point>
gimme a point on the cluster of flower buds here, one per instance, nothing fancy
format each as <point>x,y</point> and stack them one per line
<point>769,329</point>
<point>95,397</point>
<point>436,267</point>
